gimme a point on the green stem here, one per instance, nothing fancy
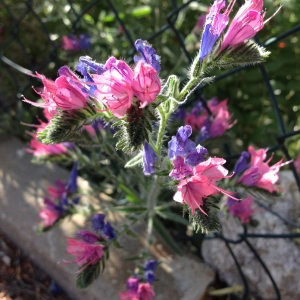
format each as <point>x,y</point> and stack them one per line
<point>151,203</point>
<point>187,88</point>
<point>161,130</point>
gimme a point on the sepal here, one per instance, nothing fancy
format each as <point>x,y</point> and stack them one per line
<point>200,221</point>
<point>249,53</point>
<point>135,129</point>
<point>66,125</point>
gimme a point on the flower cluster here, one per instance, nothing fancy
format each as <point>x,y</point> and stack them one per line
<point>118,86</point>
<point>246,23</point>
<point>89,248</point>
<point>197,171</point>
<point>212,125</point>
<point>140,287</point>
<point>60,201</point>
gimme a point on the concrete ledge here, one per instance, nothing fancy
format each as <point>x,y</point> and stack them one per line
<point>22,188</point>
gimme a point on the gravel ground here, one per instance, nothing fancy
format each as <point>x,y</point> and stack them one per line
<point>21,279</point>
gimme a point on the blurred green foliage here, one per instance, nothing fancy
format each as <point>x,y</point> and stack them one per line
<point>39,44</point>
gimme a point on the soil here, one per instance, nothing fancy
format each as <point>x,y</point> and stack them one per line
<point>21,279</point>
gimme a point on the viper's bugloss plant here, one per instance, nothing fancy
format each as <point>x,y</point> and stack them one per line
<point>119,115</point>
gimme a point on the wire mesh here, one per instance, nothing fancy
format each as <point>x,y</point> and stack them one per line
<point>15,70</point>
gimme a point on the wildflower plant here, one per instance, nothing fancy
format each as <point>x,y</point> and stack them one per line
<point>117,115</point>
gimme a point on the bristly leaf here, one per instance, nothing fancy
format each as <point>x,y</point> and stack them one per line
<point>136,160</point>
<point>248,53</point>
<point>88,275</point>
<point>66,125</point>
<point>202,222</point>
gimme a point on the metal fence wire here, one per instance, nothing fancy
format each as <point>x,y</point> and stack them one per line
<point>14,75</point>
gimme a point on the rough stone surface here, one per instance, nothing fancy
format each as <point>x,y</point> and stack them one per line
<point>22,188</point>
<point>281,256</point>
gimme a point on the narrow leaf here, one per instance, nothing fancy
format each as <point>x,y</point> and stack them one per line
<point>161,229</point>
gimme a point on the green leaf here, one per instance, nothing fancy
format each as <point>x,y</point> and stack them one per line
<point>129,209</point>
<point>130,194</point>
<point>136,160</point>
<point>172,216</point>
<point>130,232</point>
<point>88,275</point>
<point>163,232</point>
<point>141,11</point>
<point>117,244</point>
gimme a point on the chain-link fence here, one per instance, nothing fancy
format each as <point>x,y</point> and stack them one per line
<point>29,44</point>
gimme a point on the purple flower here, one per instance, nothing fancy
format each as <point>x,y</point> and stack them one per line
<point>149,157</point>
<point>214,25</point>
<point>150,265</point>
<point>241,209</point>
<point>196,156</point>
<point>205,130</point>
<point>88,236</point>
<point>241,165</point>
<point>180,170</point>
<point>180,145</point>
<point>85,41</point>
<point>72,182</point>
<point>109,232</point>
<point>87,64</point>
<point>148,54</point>
<point>132,283</point>
<point>150,276</point>
<point>84,66</point>
<point>98,221</point>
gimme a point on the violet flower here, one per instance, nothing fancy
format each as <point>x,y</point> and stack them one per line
<point>150,265</point>
<point>72,182</point>
<point>149,157</point>
<point>148,54</point>
<point>108,231</point>
<point>181,169</point>
<point>214,25</point>
<point>242,164</point>
<point>88,236</point>
<point>98,221</point>
<point>180,145</point>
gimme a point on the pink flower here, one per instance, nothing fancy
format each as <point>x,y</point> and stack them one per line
<point>68,96</point>
<point>259,173</point>
<point>84,252</point>
<point>49,216</point>
<point>129,295</point>
<point>246,23</point>
<point>202,184</point>
<point>70,43</point>
<point>55,192</point>
<point>220,123</point>
<point>146,291</point>
<point>241,209</point>
<point>39,149</point>
<point>59,94</point>
<point>297,164</point>
<point>114,86</point>
<point>47,94</point>
<point>214,105</point>
<point>196,122</point>
<point>145,84</point>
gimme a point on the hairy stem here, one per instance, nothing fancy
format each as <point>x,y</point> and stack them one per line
<point>151,203</point>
